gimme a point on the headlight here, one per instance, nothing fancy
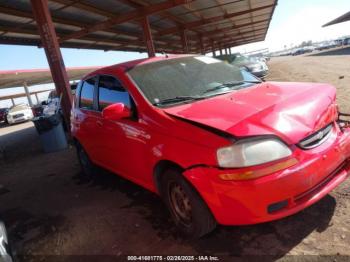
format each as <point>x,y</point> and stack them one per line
<point>250,153</point>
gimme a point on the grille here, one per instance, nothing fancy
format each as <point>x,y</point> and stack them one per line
<point>316,138</point>
<point>18,115</point>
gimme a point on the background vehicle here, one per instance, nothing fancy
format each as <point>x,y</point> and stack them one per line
<point>252,65</point>
<point>217,144</point>
<point>3,113</point>
<point>19,113</point>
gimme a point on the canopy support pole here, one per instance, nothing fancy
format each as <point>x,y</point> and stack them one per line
<point>49,41</point>
<point>201,45</point>
<point>37,98</point>
<point>147,35</point>
<point>184,41</point>
<point>213,48</point>
<point>29,98</point>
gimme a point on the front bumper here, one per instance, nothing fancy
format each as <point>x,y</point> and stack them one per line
<point>279,194</point>
<point>19,119</point>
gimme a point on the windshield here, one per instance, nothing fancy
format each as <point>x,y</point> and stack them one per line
<point>188,78</point>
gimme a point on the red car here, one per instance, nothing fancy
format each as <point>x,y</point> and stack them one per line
<point>217,144</point>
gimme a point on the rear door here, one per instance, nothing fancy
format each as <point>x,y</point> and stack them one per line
<point>86,116</point>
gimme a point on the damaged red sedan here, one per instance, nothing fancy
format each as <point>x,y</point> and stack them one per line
<point>216,143</point>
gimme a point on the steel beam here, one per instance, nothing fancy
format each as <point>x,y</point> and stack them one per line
<point>184,41</point>
<point>147,35</point>
<point>23,94</point>
<point>126,17</point>
<point>53,53</point>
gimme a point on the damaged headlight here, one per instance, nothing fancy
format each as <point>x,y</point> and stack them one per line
<point>252,152</point>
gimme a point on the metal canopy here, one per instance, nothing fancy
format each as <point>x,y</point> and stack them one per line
<point>340,19</point>
<point>117,24</point>
<point>16,78</point>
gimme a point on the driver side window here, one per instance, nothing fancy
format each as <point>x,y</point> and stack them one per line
<point>111,91</point>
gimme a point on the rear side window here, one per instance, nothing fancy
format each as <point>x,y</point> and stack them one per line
<point>87,94</point>
<point>111,91</point>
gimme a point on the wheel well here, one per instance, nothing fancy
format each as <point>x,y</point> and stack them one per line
<point>160,168</point>
<point>75,141</point>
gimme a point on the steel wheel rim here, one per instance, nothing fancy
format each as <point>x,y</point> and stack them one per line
<point>180,204</point>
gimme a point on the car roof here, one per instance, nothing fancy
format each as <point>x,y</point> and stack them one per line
<point>126,66</point>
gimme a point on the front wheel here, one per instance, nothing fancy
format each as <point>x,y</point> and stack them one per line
<point>88,168</point>
<point>190,213</point>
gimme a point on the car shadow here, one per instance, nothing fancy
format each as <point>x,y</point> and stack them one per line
<point>333,52</point>
<point>273,240</point>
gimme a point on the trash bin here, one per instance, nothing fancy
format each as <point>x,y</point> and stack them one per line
<point>51,133</point>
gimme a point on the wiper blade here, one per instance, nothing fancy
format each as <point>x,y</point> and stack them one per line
<point>236,83</point>
<point>230,85</point>
<point>177,99</point>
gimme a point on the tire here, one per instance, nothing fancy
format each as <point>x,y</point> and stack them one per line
<point>189,212</point>
<point>87,166</point>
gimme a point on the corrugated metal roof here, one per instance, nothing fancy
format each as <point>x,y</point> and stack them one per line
<point>16,78</point>
<point>224,23</point>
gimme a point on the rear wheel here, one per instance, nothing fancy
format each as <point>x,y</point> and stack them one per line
<point>191,215</point>
<point>88,168</point>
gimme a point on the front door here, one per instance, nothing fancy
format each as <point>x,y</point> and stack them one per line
<point>124,142</point>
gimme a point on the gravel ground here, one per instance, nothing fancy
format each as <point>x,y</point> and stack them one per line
<point>51,212</point>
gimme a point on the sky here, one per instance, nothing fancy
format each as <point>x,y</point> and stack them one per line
<point>294,21</point>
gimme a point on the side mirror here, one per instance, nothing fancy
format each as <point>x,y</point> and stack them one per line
<point>116,112</point>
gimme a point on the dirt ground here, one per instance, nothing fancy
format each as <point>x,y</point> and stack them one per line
<point>53,215</point>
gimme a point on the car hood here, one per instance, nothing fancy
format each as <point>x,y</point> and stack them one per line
<point>25,111</point>
<point>291,111</point>
<point>246,64</point>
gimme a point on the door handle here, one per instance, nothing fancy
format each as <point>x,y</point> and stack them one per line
<point>99,123</point>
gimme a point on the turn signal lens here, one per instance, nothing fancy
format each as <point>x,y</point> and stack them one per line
<point>251,174</point>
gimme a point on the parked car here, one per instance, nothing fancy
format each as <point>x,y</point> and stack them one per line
<point>217,144</point>
<point>19,113</point>
<point>3,113</point>
<point>298,51</point>
<point>326,45</point>
<point>252,65</point>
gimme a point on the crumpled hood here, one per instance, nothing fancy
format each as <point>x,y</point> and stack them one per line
<point>291,111</point>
